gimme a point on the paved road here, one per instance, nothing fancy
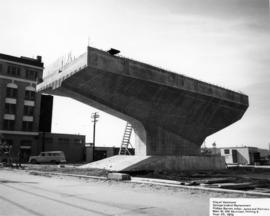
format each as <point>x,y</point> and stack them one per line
<point>24,194</point>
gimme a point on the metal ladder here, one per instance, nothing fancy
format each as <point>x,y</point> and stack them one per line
<point>126,141</point>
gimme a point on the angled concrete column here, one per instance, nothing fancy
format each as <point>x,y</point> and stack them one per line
<point>140,138</point>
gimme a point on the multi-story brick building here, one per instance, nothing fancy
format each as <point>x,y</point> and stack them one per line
<point>19,102</point>
<point>26,116</point>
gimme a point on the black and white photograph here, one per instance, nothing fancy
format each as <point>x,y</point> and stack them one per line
<point>134,107</point>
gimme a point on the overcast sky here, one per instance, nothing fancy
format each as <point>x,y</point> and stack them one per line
<point>222,42</point>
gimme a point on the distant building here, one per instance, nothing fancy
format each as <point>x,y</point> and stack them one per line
<point>240,155</point>
<point>26,116</point>
<point>102,152</point>
<point>72,145</point>
<point>244,155</point>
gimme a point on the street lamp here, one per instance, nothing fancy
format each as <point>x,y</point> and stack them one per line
<point>94,117</point>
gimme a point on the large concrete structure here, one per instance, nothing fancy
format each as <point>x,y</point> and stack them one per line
<point>171,114</point>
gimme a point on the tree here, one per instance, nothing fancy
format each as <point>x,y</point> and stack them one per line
<point>5,150</point>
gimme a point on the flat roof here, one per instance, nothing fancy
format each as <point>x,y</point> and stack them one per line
<point>25,60</point>
<point>238,147</point>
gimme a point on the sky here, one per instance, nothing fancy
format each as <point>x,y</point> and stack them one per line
<point>226,43</point>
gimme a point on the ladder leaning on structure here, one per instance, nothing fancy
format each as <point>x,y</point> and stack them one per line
<point>126,140</point>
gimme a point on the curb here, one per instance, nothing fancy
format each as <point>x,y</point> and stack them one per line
<point>158,182</point>
<point>71,175</point>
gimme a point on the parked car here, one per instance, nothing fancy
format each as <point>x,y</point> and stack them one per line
<point>55,157</point>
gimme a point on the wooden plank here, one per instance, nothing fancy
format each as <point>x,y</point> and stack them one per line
<point>244,185</point>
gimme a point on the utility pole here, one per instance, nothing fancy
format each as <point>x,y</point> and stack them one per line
<point>94,118</point>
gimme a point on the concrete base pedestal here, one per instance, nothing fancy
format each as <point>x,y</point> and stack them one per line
<point>152,163</point>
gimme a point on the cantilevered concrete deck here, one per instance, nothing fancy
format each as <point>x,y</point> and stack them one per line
<point>171,114</point>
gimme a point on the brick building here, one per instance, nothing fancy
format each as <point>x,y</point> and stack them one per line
<point>26,116</point>
<point>72,145</point>
<point>102,152</point>
<point>19,103</point>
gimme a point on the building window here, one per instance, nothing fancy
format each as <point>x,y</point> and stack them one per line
<point>26,143</point>
<point>29,95</point>
<point>226,151</point>
<point>10,108</point>
<point>48,140</point>
<point>1,66</point>
<point>28,110</point>
<point>13,70</point>
<point>63,140</point>
<point>31,74</point>
<point>27,126</point>
<point>9,124</point>
<point>12,92</point>
<point>78,141</point>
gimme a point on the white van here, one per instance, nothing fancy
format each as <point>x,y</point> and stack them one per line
<point>49,157</point>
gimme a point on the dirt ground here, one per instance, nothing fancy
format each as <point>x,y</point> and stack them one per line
<point>240,174</point>
<point>25,194</point>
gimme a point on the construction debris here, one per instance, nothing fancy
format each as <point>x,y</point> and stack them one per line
<point>237,186</point>
<point>119,176</point>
